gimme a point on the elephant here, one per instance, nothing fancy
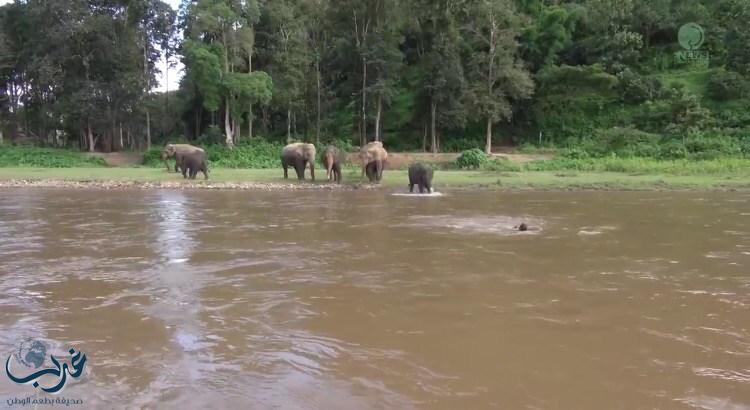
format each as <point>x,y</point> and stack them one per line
<point>373,157</point>
<point>331,160</point>
<point>298,155</point>
<point>421,175</point>
<point>177,151</point>
<point>194,162</point>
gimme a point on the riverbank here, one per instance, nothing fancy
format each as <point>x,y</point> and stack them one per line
<point>271,179</point>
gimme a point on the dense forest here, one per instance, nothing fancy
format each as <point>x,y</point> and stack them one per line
<point>434,75</point>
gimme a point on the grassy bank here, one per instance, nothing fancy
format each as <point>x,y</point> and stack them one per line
<point>397,179</point>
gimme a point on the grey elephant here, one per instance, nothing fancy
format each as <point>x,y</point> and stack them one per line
<point>373,157</point>
<point>192,163</point>
<point>177,151</point>
<point>331,159</point>
<point>298,155</point>
<point>421,175</point>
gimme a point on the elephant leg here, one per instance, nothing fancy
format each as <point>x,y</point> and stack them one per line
<point>184,172</point>
<point>204,169</point>
<point>285,166</point>
<point>379,170</point>
<point>421,188</point>
<point>411,187</point>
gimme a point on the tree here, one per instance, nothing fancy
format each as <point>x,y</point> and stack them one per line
<point>497,76</point>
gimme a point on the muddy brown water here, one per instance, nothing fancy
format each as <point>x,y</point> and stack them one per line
<point>365,300</point>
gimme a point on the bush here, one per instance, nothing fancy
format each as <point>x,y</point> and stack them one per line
<point>672,149</point>
<point>636,89</point>
<point>19,156</point>
<point>252,154</point>
<point>152,158</point>
<point>701,146</point>
<point>255,153</point>
<point>473,158</point>
<point>726,85</point>
<point>461,144</point>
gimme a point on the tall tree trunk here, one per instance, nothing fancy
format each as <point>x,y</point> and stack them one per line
<point>488,147</point>
<point>90,135</point>
<point>122,143</point>
<point>228,125</point>
<point>433,126</point>
<point>198,119</point>
<point>424,138</point>
<point>148,130</point>
<point>377,119</point>
<point>317,122</point>
<point>148,88</point>
<point>237,132</point>
<point>288,125</point>
<point>250,122</point>
<point>363,137</point>
<point>250,106</point>
<point>490,73</point>
<point>1,135</point>
<point>294,124</point>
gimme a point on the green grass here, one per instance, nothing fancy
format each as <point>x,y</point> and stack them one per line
<point>11,156</point>
<point>398,178</point>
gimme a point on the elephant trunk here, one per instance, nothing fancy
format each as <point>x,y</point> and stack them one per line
<point>312,170</point>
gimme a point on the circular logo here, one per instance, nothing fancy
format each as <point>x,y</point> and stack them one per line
<point>32,353</point>
<point>691,36</point>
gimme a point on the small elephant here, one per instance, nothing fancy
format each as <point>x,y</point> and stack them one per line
<point>194,162</point>
<point>421,175</point>
<point>373,157</point>
<point>177,151</point>
<point>298,155</point>
<point>331,160</point>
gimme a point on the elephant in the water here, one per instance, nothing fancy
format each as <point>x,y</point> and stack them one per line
<point>194,162</point>
<point>178,151</point>
<point>331,160</point>
<point>298,155</point>
<point>373,157</point>
<point>421,175</point>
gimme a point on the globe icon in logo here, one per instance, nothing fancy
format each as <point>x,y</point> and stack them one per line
<point>32,353</point>
<point>691,36</point>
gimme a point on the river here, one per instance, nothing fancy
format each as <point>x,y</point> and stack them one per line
<point>349,300</point>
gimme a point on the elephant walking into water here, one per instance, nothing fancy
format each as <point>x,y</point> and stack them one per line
<point>420,175</point>
<point>178,152</point>
<point>331,160</point>
<point>194,162</point>
<point>373,157</point>
<point>298,155</point>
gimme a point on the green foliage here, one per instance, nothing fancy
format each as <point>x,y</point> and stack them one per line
<point>152,158</point>
<point>46,157</point>
<point>635,89</point>
<point>461,144</point>
<point>255,154</point>
<point>473,158</point>
<point>727,85</point>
